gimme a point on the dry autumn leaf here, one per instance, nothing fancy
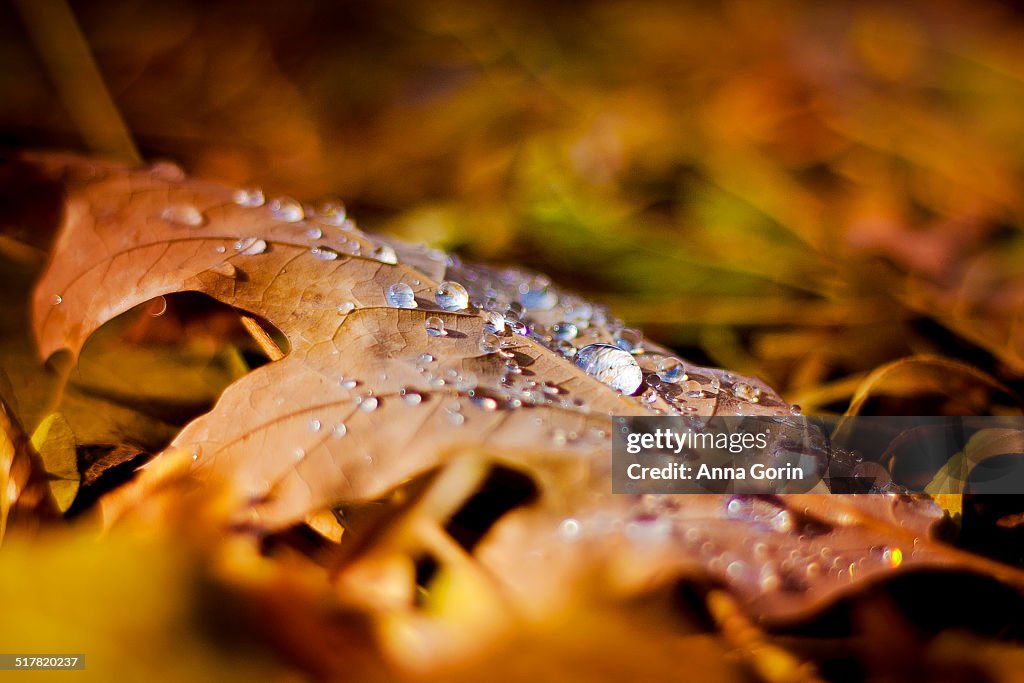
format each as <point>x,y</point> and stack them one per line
<point>401,360</point>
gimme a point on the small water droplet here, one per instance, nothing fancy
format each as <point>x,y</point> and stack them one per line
<point>692,389</point>
<point>564,331</point>
<point>249,197</point>
<point>630,340</point>
<point>425,358</point>
<point>569,529</point>
<point>611,365</point>
<point>451,296</point>
<point>314,233</point>
<point>385,254</point>
<point>484,402</point>
<point>411,397</point>
<point>286,209</point>
<point>368,404</point>
<point>299,454</point>
<point>349,384</point>
<point>490,343</point>
<point>332,212</point>
<point>225,270</point>
<point>56,299</point>
<point>892,557</point>
<point>671,370</point>
<point>456,418</point>
<point>314,425</point>
<point>517,327</point>
<point>250,246</point>
<point>746,392</point>
<point>167,170</point>
<point>435,327</point>
<point>183,214</point>
<point>339,430</point>
<point>324,253</point>
<point>346,307</point>
<point>400,295</point>
<point>494,322</point>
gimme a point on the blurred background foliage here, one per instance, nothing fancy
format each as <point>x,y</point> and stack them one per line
<point>803,191</point>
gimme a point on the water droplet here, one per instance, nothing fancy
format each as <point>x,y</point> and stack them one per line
<point>493,322</point>
<point>425,358</point>
<point>411,397</point>
<point>250,246</point>
<point>385,254</point>
<point>183,214</point>
<point>225,270</point>
<point>299,454</point>
<point>435,327</point>
<point>286,209</point>
<point>167,170</point>
<point>630,340</point>
<point>349,384</point>
<point>400,295</point>
<point>324,253</point>
<point>611,365</point>
<point>346,307</point>
<point>56,299</point>
<point>539,298</point>
<point>517,327</point>
<point>746,392</point>
<point>451,296</point>
<point>490,343</point>
<point>692,389</point>
<point>671,370</point>
<point>456,418</point>
<point>565,348</point>
<point>795,409</point>
<point>249,197</point>
<point>339,430</point>
<point>569,529</point>
<point>314,233</point>
<point>314,425</point>
<point>564,331</point>
<point>738,508</point>
<point>368,404</point>
<point>485,403</point>
<point>332,211</point>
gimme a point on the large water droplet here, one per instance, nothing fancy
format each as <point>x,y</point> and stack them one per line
<point>611,365</point>
<point>183,214</point>
<point>287,209</point>
<point>314,233</point>
<point>249,197</point>
<point>324,253</point>
<point>250,246</point>
<point>400,295</point>
<point>385,254</point>
<point>564,331</point>
<point>339,430</point>
<point>451,296</point>
<point>435,327</point>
